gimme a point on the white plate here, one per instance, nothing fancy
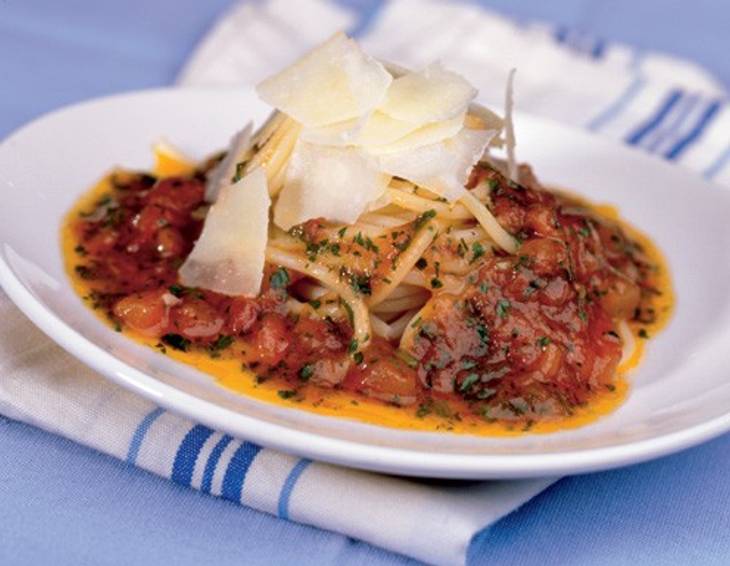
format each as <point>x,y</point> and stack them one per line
<point>680,394</point>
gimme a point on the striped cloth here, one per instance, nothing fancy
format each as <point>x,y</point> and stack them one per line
<point>664,106</point>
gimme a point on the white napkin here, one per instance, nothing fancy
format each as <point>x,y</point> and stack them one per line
<point>663,105</point>
<point>659,103</point>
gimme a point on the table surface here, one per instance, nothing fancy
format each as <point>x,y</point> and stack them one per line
<point>65,501</point>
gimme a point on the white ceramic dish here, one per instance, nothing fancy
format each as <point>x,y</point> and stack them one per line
<point>680,394</point>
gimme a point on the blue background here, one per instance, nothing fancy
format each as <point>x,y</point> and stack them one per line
<point>65,504</point>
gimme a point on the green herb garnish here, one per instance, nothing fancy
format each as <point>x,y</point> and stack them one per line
<point>422,219</point>
<point>176,341</point>
<point>477,251</point>
<point>503,307</point>
<point>280,278</point>
<point>306,371</point>
<point>221,343</point>
<point>469,380</point>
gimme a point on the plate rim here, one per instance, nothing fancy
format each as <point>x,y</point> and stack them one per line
<point>352,453</point>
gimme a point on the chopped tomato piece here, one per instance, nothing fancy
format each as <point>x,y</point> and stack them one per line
<point>145,313</point>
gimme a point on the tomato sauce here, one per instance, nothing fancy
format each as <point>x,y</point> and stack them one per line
<point>530,342</point>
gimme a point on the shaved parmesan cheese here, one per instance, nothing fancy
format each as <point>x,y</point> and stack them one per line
<point>381,129</point>
<point>223,174</point>
<point>509,127</point>
<point>442,168</point>
<point>430,95</point>
<point>334,82</point>
<point>229,255</point>
<point>426,135</point>
<point>486,119</point>
<point>395,69</point>
<point>339,134</point>
<point>336,183</point>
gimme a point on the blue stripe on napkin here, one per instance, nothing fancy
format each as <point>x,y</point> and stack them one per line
<point>718,164</point>
<point>187,454</point>
<point>673,130</point>
<point>288,487</point>
<point>140,432</point>
<point>657,118</point>
<point>619,105</point>
<point>706,117</point>
<point>212,463</point>
<point>580,42</point>
<point>237,470</point>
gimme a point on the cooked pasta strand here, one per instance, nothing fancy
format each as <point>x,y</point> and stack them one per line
<point>406,261</point>
<point>502,238</point>
<point>331,280</point>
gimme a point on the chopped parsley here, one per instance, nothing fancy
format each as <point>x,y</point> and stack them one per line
<point>423,410</point>
<point>360,283</point>
<point>543,341</point>
<point>643,333</point>
<point>421,264</point>
<point>84,271</point>
<point>365,242</point>
<point>477,251</point>
<point>176,341</point>
<point>436,283</point>
<point>315,303</point>
<point>522,261</point>
<point>238,175</point>
<point>468,364</point>
<point>422,219</point>
<point>306,371</point>
<point>503,307</point>
<point>468,382</point>
<point>221,343</point>
<point>176,289</point>
<point>279,279</point>
<point>348,310</point>
<point>534,285</point>
<point>286,393</point>
<point>483,333</point>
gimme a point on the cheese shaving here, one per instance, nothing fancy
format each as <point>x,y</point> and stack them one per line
<point>332,83</point>
<point>430,95</point>
<point>425,135</point>
<point>223,173</point>
<point>229,255</point>
<point>336,183</point>
<point>509,127</point>
<point>443,167</point>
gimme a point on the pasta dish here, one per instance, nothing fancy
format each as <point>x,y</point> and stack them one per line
<point>374,250</point>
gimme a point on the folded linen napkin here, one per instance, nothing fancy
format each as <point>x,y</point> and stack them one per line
<point>666,106</point>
